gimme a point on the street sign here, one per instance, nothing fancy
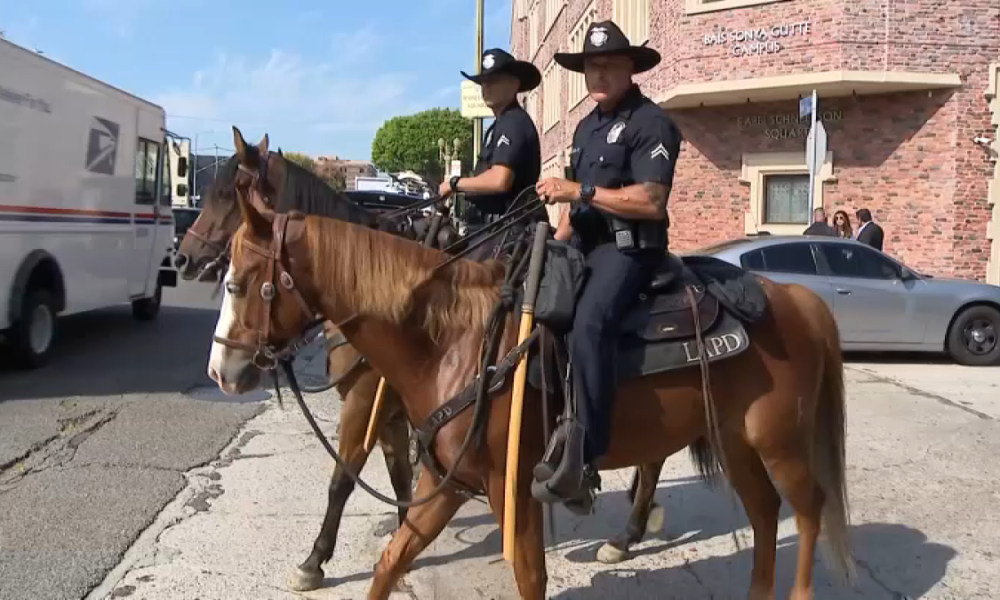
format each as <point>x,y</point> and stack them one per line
<point>473,106</point>
<point>816,148</point>
<point>805,106</point>
<point>456,168</point>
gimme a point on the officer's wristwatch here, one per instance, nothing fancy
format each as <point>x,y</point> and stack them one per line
<point>587,191</point>
<point>453,182</point>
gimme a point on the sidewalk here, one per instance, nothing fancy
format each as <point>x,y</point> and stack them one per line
<point>249,518</point>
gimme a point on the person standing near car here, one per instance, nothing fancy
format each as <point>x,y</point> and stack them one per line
<point>869,232</point>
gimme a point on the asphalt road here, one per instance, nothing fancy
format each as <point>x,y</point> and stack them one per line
<point>95,444</point>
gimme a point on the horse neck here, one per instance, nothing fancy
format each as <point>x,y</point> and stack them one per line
<point>391,329</point>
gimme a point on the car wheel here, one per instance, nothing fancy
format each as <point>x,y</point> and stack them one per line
<point>146,309</point>
<point>974,337</point>
<point>33,335</point>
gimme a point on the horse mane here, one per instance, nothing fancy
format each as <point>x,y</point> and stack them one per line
<point>395,278</point>
<point>305,191</point>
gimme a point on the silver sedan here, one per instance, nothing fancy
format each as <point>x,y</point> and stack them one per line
<point>879,303</point>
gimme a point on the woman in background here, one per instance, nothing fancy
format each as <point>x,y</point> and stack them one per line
<point>842,225</point>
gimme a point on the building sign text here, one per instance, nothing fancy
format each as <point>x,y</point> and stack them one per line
<point>787,125</point>
<point>756,40</point>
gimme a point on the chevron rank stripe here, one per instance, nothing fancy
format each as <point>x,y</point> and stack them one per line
<point>660,151</point>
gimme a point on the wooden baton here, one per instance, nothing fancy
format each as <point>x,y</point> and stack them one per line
<point>531,283</point>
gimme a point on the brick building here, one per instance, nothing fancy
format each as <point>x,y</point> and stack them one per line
<point>904,89</point>
<point>349,169</point>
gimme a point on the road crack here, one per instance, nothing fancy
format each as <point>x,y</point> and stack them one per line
<point>925,394</point>
<point>56,450</point>
<point>871,574</point>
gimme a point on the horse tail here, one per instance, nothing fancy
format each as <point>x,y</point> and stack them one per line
<point>829,452</point>
<point>704,460</point>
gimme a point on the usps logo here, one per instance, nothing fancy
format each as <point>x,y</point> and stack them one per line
<point>102,147</point>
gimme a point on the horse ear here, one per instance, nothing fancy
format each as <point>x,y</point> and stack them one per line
<point>280,153</point>
<point>262,146</point>
<point>240,144</point>
<point>256,222</point>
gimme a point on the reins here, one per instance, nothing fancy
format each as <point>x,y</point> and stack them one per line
<point>267,357</point>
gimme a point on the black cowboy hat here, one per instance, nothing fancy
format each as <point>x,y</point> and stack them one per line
<point>496,61</point>
<point>604,38</point>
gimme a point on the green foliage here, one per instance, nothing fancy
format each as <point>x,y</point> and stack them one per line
<point>411,142</point>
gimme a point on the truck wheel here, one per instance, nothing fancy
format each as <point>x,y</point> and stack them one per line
<point>974,337</point>
<point>33,334</point>
<point>147,309</point>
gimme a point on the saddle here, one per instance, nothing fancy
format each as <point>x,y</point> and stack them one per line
<point>659,333</point>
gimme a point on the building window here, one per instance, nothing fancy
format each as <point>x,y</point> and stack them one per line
<point>533,29</point>
<point>779,191</point>
<point>552,10</point>
<point>786,199</point>
<point>633,17</point>
<point>693,7</point>
<point>550,96</point>
<point>577,84</point>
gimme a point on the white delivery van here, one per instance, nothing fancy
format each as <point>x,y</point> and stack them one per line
<point>85,219</point>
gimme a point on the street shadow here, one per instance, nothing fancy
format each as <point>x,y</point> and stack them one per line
<point>899,358</point>
<point>894,561</point>
<point>107,352</point>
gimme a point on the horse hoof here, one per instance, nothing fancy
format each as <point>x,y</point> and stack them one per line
<point>610,555</point>
<point>654,524</point>
<point>304,581</point>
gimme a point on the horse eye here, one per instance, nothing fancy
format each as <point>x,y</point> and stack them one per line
<point>233,287</point>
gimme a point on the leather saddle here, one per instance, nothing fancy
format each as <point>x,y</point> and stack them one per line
<point>659,333</point>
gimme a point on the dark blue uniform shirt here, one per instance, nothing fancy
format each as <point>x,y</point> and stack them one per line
<point>635,143</point>
<point>512,141</point>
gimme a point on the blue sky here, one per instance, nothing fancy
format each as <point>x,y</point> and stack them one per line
<point>319,77</point>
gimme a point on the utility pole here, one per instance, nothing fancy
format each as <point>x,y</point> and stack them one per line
<point>477,127</point>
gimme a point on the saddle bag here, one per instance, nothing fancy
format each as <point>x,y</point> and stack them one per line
<point>563,276</point>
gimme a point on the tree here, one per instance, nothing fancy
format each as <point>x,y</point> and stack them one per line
<point>410,143</point>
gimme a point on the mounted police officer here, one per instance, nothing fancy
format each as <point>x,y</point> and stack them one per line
<point>511,158</point>
<point>623,159</point>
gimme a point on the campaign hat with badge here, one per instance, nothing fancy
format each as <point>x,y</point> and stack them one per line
<point>497,61</point>
<point>604,38</point>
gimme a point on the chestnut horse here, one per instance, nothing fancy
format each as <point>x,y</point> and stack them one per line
<point>204,250</point>
<point>778,406</point>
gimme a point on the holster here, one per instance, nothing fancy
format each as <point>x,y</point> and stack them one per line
<point>638,234</point>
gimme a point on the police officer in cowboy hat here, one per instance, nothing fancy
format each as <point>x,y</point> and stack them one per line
<point>511,159</point>
<point>623,159</point>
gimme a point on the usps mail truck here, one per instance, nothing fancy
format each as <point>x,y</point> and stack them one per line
<point>85,218</point>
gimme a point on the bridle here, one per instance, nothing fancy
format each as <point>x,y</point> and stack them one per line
<point>267,356</point>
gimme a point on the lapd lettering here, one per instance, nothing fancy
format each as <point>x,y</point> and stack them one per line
<point>715,346</point>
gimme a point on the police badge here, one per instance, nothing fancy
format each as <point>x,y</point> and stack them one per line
<point>616,132</point>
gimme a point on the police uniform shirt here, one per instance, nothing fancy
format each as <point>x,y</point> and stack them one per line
<point>635,143</point>
<point>512,141</point>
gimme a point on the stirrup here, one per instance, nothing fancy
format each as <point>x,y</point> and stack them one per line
<point>546,468</point>
<point>567,480</point>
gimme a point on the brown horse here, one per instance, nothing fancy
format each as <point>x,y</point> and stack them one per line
<point>778,406</point>
<point>204,250</point>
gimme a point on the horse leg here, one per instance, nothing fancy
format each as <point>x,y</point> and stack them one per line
<point>529,540</point>
<point>640,522</point>
<point>793,476</point>
<point>353,427</point>
<point>394,437</point>
<point>762,503</point>
<point>422,526</point>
